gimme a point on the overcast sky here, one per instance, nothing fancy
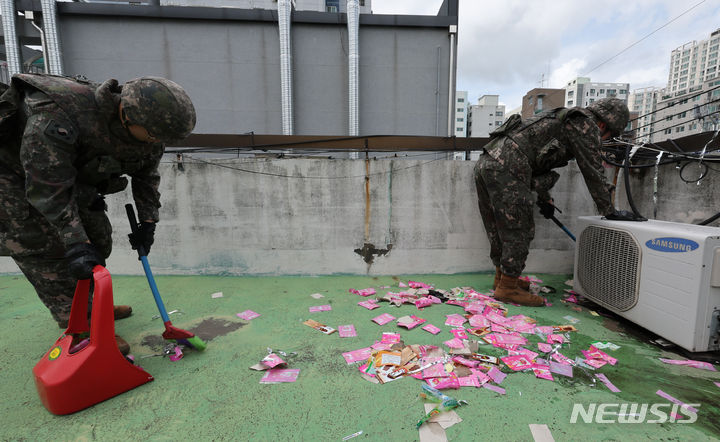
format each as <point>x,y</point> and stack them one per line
<point>505,47</point>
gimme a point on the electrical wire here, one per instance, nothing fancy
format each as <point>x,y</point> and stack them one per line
<point>394,170</point>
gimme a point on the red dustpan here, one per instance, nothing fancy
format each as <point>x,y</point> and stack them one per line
<point>69,382</point>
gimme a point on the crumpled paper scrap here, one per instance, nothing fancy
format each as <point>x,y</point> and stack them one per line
<point>690,363</point>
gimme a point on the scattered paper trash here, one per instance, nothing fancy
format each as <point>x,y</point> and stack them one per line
<point>278,375</point>
<point>217,295</point>
<point>541,433</point>
<point>248,315</point>
<point>347,331</point>
<point>319,326</point>
<point>320,308</point>
<point>690,363</point>
<point>317,295</point>
<point>350,436</point>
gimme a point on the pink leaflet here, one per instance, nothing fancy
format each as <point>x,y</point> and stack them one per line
<point>451,381</point>
<point>454,343</point>
<point>363,292</point>
<point>431,329</point>
<point>455,320</point>
<point>347,331</point>
<point>276,375</point>
<point>383,319</point>
<point>517,363</point>
<point>459,333</point>
<point>369,304</point>
<point>555,339</point>
<point>469,381</point>
<point>690,363</point>
<point>248,315</point>
<point>479,321</point>
<point>496,375</point>
<point>542,372</point>
<point>545,348</point>
<point>357,355</point>
<point>494,388</point>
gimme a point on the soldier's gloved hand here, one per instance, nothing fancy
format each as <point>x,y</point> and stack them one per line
<point>144,237</point>
<point>546,209</point>
<point>624,215</point>
<point>81,258</point>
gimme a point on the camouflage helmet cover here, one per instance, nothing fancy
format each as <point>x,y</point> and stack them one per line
<point>159,105</point>
<point>613,112</point>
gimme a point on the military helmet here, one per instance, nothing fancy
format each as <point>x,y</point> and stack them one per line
<point>160,106</point>
<point>613,112</point>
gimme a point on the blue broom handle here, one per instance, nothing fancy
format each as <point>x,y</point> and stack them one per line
<point>153,288</point>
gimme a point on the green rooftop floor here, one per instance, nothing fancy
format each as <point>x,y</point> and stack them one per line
<point>214,395</point>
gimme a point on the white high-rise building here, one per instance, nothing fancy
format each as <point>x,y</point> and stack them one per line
<point>582,92</point>
<point>644,102</point>
<point>694,63</point>
<point>461,116</point>
<point>485,116</point>
<point>461,111</point>
<point>689,103</point>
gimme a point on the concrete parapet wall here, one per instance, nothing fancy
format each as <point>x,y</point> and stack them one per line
<point>317,216</point>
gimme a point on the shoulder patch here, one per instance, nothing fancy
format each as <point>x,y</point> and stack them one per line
<point>61,131</point>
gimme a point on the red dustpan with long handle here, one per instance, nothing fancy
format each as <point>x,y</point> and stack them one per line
<point>68,382</point>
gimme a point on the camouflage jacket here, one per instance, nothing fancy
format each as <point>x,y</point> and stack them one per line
<point>531,148</point>
<point>70,146</point>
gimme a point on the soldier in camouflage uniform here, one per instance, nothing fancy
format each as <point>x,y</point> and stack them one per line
<point>65,144</point>
<point>519,160</point>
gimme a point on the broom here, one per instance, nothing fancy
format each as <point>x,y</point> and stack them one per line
<point>171,332</point>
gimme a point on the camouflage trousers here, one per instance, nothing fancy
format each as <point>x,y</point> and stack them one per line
<point>506,208</point>
<point>36,248</point>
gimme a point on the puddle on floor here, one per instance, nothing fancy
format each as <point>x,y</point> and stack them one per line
<point>206,330</point>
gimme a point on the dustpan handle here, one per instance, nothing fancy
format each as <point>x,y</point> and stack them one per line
<point>142,255</point>
<point>102,327</point>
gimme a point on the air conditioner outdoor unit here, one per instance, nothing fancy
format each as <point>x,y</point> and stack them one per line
<point>660,275</point>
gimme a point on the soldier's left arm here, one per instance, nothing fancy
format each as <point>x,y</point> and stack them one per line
<point>145,185</point>
<point>583,139</point>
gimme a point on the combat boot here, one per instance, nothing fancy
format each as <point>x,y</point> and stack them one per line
<point>509,291</point>
<point>525,285</point>
<point>122,345</point>
<point>121,311</point>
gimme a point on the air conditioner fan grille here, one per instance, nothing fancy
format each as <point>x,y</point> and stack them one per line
<point>608,265</point>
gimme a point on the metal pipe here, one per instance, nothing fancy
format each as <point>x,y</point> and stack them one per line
<point>286,90</point>
<point>12,45</point>
<point>53,56</point>
<point>353,12</point>
<point>451,80</point>
<point>30,17</point>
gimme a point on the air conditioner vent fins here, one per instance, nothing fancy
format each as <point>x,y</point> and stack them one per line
<point>608,266</point>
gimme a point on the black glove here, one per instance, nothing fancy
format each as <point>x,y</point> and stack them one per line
<point>546,209</point>
<point>624,215</point>
<point>81,258</point>
<point>143,237</point>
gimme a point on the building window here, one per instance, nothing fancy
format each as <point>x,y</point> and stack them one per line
<point>459,120</point>
<point>461,100</point>
<point>498,114</point>
<point>592,91</point>
<point>460,109</point>
<point>571,93</point>
<point>570,102</point>
<point>459,129</point>
<point>498,123</point>
<point>602,91</point>
<point>592,100</point>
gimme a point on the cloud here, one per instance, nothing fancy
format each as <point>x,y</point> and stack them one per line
<point>506,47</point>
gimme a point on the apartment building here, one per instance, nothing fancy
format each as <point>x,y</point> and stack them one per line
<point>541,99</point>
<point>582,92</point>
